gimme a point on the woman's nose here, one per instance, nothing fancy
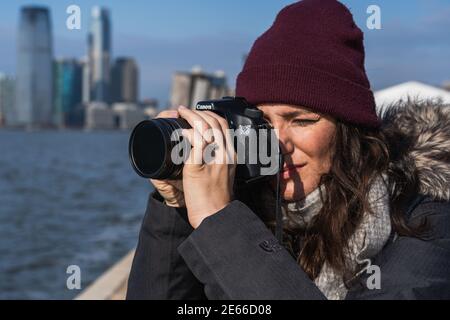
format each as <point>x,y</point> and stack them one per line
<point>285,141</point>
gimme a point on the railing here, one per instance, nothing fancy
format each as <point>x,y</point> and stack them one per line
<point>112,285</point>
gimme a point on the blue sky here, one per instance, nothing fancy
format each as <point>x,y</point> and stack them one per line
<point>170,35</point>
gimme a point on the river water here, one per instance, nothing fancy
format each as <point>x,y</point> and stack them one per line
<point>66,198</point>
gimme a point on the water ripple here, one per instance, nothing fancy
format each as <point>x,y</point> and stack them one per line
<point>66,198</point>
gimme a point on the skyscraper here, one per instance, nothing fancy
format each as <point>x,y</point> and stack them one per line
<point>125,81</point>
<point>181,90</point>
<point>34,68</point>
<point>218,85</point>
<point>86,81</point>
<point>68,92</point>
<point>188,88</point>
<point>99,43</point>
<point>200,88</point>
<point>7,99</point>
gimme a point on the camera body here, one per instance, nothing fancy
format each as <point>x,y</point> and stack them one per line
<point>245,119</point>
<point>256,145</point>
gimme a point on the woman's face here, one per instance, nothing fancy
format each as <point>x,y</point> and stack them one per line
<point>306,143</point>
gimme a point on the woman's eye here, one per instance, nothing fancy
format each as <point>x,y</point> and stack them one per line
<point>305,122</point>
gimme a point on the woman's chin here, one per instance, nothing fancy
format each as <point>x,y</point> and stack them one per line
<point>291,194</point>
<point>292,197</point>
<point>291,190</point>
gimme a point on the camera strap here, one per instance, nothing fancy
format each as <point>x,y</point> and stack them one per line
<point>278,213</point>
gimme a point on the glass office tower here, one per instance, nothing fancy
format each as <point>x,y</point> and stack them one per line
<point>99,43</point>
<point>34,68</point>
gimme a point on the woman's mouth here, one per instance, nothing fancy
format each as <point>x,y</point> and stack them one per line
<point>290,170</point>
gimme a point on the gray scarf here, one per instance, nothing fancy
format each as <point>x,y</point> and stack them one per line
<point>368,239</point>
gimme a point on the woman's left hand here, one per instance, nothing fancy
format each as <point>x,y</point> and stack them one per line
<point>207,181</point>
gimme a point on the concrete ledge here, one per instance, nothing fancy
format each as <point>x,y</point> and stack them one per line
<point>112,285</point>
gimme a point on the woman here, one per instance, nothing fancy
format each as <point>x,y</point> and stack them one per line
<point>365,200</point>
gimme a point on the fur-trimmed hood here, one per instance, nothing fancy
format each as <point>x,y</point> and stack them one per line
<point>418,134</point>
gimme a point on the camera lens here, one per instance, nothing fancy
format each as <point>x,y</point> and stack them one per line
<point>151,145</point>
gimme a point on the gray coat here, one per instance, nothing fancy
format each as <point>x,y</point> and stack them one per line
<point>233,255</point>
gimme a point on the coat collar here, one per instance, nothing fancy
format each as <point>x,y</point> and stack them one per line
<point>418,134</point>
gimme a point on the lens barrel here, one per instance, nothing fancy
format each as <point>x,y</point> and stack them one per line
<point>150,148</point>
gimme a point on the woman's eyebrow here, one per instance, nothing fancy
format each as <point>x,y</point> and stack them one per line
<point>292,114</point>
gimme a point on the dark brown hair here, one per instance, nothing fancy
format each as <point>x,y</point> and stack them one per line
<point>360,155</point>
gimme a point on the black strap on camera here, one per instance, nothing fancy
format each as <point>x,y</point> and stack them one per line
<point>278,213</point>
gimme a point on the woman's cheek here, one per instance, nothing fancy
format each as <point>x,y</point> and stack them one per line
<point>315,146</point>
<point>306,142</point>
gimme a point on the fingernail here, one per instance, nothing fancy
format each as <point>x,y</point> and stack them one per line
<point>182,107</point>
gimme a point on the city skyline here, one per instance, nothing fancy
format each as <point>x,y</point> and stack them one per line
<point>71,92</point>
<point>96,91</point>
<point>170,37</point>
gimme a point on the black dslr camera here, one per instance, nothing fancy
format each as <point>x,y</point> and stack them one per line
<point>152,142</point>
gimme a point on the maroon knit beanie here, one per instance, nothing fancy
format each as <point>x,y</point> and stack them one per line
<point>312,56</point>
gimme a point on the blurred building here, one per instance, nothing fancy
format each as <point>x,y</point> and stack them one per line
<point>149,103</point>
<point>218,85</point>
<point>188,88</point>
<point>125,81</point>
<point>127,115</point>
<point>200,86</point>
<point>409,90</point>
<point>99,117</point>
<point>34,69</point>
<point>86,81</point>
<point>149,107</point>
<point>68,75</point>
<point>123,116</point>
<point>150,112</point>
<point>7,99</point>
<point>99,43</point>
<point>181,90</point>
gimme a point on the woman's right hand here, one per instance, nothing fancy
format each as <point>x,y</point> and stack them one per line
<point>170,190</point>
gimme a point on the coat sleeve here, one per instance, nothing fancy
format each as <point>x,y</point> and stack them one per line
<point>236,256</point>
<point>413,268</point>
<point>158,271</point>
